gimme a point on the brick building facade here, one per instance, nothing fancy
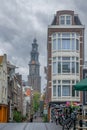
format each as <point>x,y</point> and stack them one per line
<point>65,57</point>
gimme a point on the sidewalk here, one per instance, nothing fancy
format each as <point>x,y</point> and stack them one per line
<point>38,119</point>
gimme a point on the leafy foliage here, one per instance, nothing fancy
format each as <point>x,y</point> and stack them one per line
<point>17,116</point>
<point>36,101</point>
<point>45,118</point>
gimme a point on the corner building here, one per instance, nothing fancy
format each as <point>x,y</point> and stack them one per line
<point>65,49</point>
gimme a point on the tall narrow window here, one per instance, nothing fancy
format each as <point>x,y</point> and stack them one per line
<point>62,20</point>
<point>59,44</point>
<point>59,67</point>
<point>54,67</point>
<point>73,67</point>
<point>77,67</point>
<point>77,44</point>
<point>59,90</point>
<point>86,97</point>
<point>54,90</point>
<point>73,44</point>
<point>54,44</point>
<point>73,91</point>
<point>68,20</point>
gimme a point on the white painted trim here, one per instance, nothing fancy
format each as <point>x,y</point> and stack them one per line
<point>66,26</point>
<point>65,99</point>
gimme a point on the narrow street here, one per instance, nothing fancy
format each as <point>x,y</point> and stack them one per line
<point>38,119</point>
<point>29,126</point>
<point>37,124</point>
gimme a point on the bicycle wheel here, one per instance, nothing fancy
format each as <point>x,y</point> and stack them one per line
<point>64,127</point>
<point>60,120</point>
<point>70,124</point>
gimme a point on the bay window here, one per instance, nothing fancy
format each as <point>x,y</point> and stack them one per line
<point>65,41</point>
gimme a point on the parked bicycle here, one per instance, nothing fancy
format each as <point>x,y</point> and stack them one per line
<point>70,122</point>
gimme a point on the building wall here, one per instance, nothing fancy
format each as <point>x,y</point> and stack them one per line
<point>19,91</point>
<point>3,80</point>
<point>3,88</point>
<point>11,74</point>
<point>54,29</point>
<point>14,91</point>
<point>85,92</point>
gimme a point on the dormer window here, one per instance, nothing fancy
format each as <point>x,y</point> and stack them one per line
<point>65,20</point>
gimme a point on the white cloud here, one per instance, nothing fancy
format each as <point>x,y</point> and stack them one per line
<point>22,20</point>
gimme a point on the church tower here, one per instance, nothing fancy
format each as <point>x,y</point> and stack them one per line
<point>34,77</point>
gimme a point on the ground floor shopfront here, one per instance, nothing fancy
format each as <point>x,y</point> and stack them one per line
<point>3,113</point>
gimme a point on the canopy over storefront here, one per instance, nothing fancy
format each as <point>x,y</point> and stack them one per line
<point>82,85</point>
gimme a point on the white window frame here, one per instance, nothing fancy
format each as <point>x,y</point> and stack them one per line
<point>65,19</point>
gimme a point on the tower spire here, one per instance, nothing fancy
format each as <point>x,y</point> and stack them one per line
<point>34,68</point>
<point>35,40</point>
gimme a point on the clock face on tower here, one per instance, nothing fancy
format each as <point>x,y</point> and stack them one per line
<point>33,62</point>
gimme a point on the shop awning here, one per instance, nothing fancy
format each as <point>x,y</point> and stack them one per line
<point>82,85</point>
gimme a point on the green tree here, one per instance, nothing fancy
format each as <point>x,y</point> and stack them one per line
<point>36,101</point>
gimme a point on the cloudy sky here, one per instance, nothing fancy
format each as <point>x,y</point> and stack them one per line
<point>23,20</point>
